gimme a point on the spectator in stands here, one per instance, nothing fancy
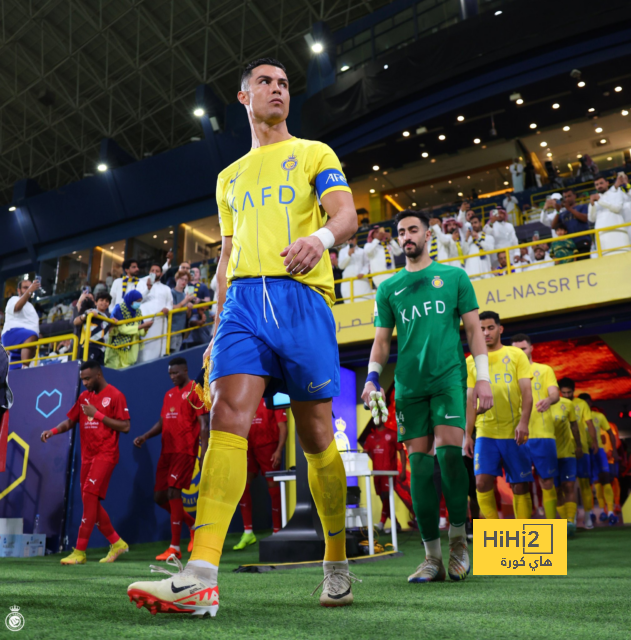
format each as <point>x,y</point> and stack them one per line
<point>502,269</point>
<point>511,206</point>
<point>605,210</point>
<point>181,299</point>
<point>124,335</point>
<point>122,286</point>
<point>61,311</point>
<point>563,249</point>
<point>517,173</point>
<point>541,260</point>
<point>62,350</point>
<point>157,301</point>
<point>202,293</point>
<point>478,241</point>
<point>185,267</point>
<point>109,280</point>
<point>168,270</point>
<point>622,183</point>
<point>100,287</point>
<point>337,274</point>
<point>364,225</point>
<point>201,335</point>
<point>21,323</point>
<point>574,218</point>
<point>530,176</point>
<point>588,169</point>
<point>523,257</point>
<point>455,247</point>
<point>354,264</point>
<point>98,329</point>
<point>464,216</point>
<point>474,194</point>
<point>441,236</point>
<point>204,271</point>
<point>381,251</point>
<point>503,232</point>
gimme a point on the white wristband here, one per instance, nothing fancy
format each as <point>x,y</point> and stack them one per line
<point>482,367</point>
<point>325,236</point>
<point>375,366</point>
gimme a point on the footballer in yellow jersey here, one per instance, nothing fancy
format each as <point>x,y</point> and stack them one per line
<point>502,430</point>
<point>541,445</point>
<point>281,207</point>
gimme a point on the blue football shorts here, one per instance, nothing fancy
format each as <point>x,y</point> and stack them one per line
<point>614,469</point>
<point>278,327</point>
<point>493,454</point>
<point>543,455</point>
<point>15,336</point>
<point>584,467</point>
<point>599,464</point>
<point>566,470</point>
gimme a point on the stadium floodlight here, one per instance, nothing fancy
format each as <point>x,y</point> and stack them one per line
<point>519,101</point>
<point>624,112</point>
<point>199,112</point>
<point>566,128</point>
<point>372,191</point>
<point>498,13</point>
<point>556,105</point>
<point>460,118</point>
<point>581,84</point>
<point>12,208</point>
<point>102,167</point>
<point>317,47</point>
<point>425,154</point>
<point>603,141</point>
<point>345,68</point>
<point>618,89</point>
<point>476,141</point>
<point>375,167</point>
<point>598,130</point>
<point>406,134</point>
<point>442,136</point>
<point>533,125</point>
<point>591,110</point>
<point>543,144</point>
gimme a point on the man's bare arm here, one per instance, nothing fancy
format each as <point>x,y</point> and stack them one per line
<point>222,284</point>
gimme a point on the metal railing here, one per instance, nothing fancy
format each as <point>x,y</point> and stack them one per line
<point>511,267</point>
<point>43,341</point>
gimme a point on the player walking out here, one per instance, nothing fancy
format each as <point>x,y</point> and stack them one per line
<point>425,301</point>
<point>275,331</point>
<point>541,445</point>
<point>180,424</point>
<point>265,449</point>
<point>102,414</point>
<point>502,431</point>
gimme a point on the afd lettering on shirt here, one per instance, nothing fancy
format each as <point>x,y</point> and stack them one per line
<point>286,195</point>
<point>427,307</point>
<point>543,288</point>
<point>502,377</point>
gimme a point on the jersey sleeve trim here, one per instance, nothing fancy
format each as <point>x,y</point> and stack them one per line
<point>330,180</point>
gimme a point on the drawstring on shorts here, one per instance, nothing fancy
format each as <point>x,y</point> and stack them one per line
<point>266,295</point>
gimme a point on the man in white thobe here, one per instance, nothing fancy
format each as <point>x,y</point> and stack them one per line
<point>354,264</point>
<point>605,210</point>
<point>503,232</point>
<point>381,251</point>
<point>157,300</point>
<point>478,241</point>
<point>122,286</point>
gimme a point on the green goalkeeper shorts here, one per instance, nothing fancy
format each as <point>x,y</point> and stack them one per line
<point>417,417</point>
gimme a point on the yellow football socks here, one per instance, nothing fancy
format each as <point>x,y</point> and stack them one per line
<point>487,504</point>
<point>327,481</point>
<point>600,496</point>
<point>570,511</point>
<point>608,504</point>
<point>586,494</point>
<point>522,505</point>
<point>561,508</point>
<point>220,489</point>
<point>550,503</point>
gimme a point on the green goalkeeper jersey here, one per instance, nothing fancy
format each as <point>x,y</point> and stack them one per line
<point>426,306</point>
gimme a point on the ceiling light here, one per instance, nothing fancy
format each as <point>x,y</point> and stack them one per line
<point>598,129</point>
<point>579,156</point>
<point>468,177</point>
<point>406,134</point>
<point>372,191</point>
<point>498,13</point>
<point>460,193</point>
<point>519,101</point>
<point>74,252</point>
<point>624,112</point>
<point>199,112</point>
<point>441,137</point>
<point>165,242</point>
<point>618,89</point>
<point>533,125</point>
<point>345,68</point>
<point>460,118</point>
<point>385,66</point>
<point>12,208</point>
<point>102,167</point>
<point>425,154</point>
<point>549,154</point>
<point>155,237</point>
<point>79,258</point>
<point>476,141</point>
<point>556,105</point>
<point>385,173</point>
<point>111,247</point>
<point>433,160</point>
<point>317,47</point>
<point>414,204</point>
<point>591,109</point>
<point>505,183</point>
<point>122,253</point>
<point>566,128</point>
<point>609,159</point>
<point>544,144</point>
<point>171,232</point>
<point>375,167</point>
<point>581,84</point>
<point>603,141</point>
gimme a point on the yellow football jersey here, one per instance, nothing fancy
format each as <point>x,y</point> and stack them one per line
<point>583,413</point>
<point>563,414</point>
<point>541,425</point>
<point>507,366</point>
<point>270,198</point>
<point>601,424</point>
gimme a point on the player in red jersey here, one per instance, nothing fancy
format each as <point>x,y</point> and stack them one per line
<point>268,434</point>
<point>382,446</point>
<point>180,424</point>
<point>102,414</point>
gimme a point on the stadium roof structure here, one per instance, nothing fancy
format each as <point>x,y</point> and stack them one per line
<point>75,72</point>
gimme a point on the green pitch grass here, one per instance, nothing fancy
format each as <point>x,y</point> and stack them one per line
<point>90,601</point>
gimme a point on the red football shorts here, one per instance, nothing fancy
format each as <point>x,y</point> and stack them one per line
<point>95,476</point>
<point>260,458</point>
<point>381,484</point>
<point>174,470</point>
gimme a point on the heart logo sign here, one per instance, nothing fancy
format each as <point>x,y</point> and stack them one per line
<point>48,402</point>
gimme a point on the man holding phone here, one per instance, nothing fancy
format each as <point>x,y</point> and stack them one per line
<point>157,301</point>
<point>21,323</point>
<point>183,295</point>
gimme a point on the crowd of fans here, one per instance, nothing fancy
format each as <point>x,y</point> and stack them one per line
<point>113,305</point>
<point>460,237</point>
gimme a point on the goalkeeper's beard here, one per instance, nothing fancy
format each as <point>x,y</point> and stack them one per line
<point>415,249</point>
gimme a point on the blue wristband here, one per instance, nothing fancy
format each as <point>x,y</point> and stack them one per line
<point>373,377</point>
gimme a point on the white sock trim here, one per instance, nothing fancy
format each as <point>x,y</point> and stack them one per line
<point>202,564</point>
<point>328,565</point>
<point>455,532</point>
<point>248,531</point>
<point>432,549</point>
<point>175,546</point>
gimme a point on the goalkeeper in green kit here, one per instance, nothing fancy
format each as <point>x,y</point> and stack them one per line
<point>425,301</point>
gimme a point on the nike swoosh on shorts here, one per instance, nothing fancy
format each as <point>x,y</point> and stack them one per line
<point>312,389</point>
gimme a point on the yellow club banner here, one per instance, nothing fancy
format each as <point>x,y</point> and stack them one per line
<point>520,547</point>
<point>577,285</point>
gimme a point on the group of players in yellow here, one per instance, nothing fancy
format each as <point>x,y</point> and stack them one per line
<point>537,422</point>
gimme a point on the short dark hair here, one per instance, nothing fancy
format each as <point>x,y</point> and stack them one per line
<point>179,360</point>
<point>568,190</point>
<point>411,213</point>
<point>90,364</point>
<point>567,382</point>
<point>491,315</point>
<point>521,337</point>
<point>585,396</point>
<point>476,216</point>
<point>561,225</point>
<point>156,264</point>
<point>600,176</point>
<point>250,66</point>
<point>127,263</point>
<point>104,295</point>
